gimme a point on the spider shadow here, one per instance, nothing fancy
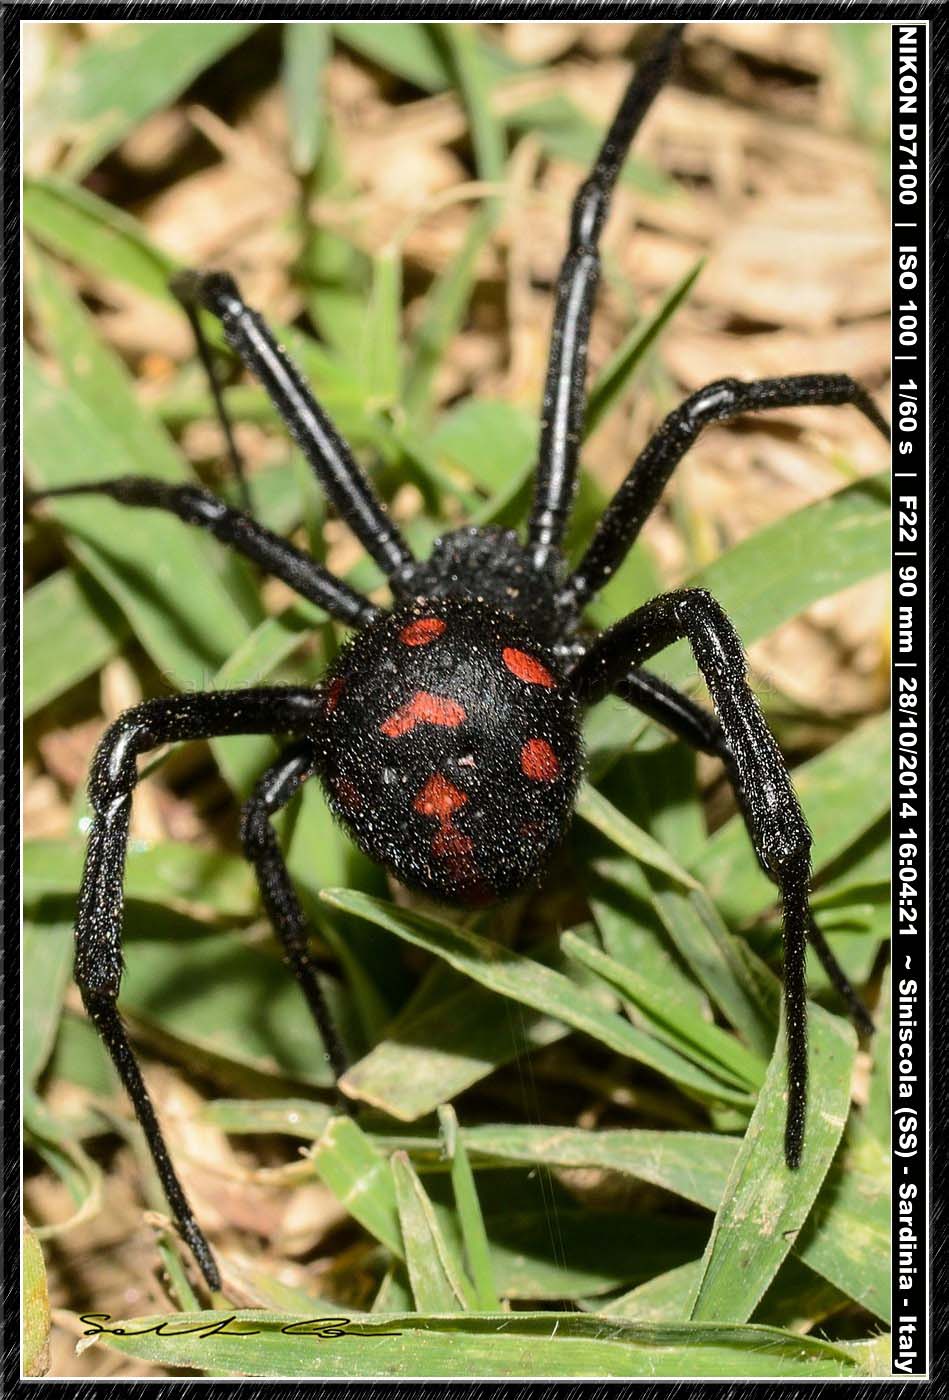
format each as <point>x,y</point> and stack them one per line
<point>252,1026</point>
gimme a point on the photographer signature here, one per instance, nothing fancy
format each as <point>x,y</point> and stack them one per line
<point>321,1327</point>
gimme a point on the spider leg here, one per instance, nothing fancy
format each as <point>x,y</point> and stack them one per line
<point>564,402</point>
<point>699,728</point>
<point>274,790</point>
<point>702,730</point>
<point>636,498</point>
<point>776,823</point>
<point>274,554</point>
<point>336,468</point>
<point>183,290</point>
<point>98,968</point>
<point>858,1012</point>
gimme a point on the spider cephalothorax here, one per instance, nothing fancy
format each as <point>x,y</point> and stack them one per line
<point>447,732</point>
<point>451,747</point>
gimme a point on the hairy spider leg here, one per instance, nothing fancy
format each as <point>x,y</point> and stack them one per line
<point>182,287</point>
<point>98,967</point>
<point>637,496</point>
<point>701,730</point>
<point>858,1012</point>
<point>564,401</point>
<point>778,830</point>
<point>271,794</point>
<point>335,466</point>
<point>654,697</point>
<point>273,553</point>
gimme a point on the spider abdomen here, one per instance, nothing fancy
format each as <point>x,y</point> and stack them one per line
<point>451,748</point>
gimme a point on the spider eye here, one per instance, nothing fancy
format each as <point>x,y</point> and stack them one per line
<point>452,749</point>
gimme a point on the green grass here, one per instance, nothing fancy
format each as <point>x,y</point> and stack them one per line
<point>648,968</point>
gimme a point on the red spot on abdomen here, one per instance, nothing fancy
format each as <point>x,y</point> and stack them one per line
<point>539,762</point>
<point>451,843</point>
<point>418,634</point>
<point>527,668</point>
<point>439,798</point>
<point>333,693</point>
<point>347,794</point>
<point>423,709</point>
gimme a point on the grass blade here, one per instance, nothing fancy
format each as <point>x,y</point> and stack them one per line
<point>216,1001</point>
<point>847,1236</point>
<point>714,1049</point>
<point>359,1177</point>
<point>493,442</point>
<point>188,626</point>
<point>843,791</point>
<point>395,1291</point>
<point>66,1157</point>
<point>90,427</point>
<point>449,295</point>
<point>568,133</point>
<point>96,375</point>
<point>431,1052</point>
<point>845,1239</point>
<point>760,583</point>
<point>616,376</point>
<point>664,1298</point>
<point>594,808</point>
<point>632,933</point>
<point>92,233</point>
<point>438,1282</point>
<point>411,51</point>
<point>382,331</point>
<point>469,61</point>
<point>765,1205</point>
<point>306,51</point>
<point>692,1165</point>
<point>722,964</point>
<point>473,1232</point>
<point>48,949</point>
<point>169,872</point>
<point>415,52</point>
<point>527,1344</point>
<point>524,980</point>
<point>113,83</point>
<point>34,1307</point>
<point>74,629</point>
<point>296,1117</point>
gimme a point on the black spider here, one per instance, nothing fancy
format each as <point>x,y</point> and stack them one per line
<point>448,731</point>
